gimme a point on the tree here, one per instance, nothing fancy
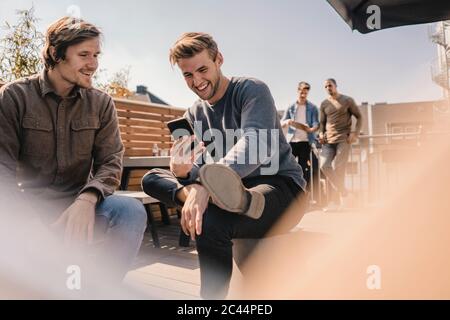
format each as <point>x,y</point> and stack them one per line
<point>117,84</point>
<point>20,56</point>
<point>20,48</point>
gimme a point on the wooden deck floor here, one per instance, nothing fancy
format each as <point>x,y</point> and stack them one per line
<point>169,272</point>
<point>172,272</point>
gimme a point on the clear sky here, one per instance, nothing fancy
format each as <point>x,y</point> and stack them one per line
<point>278,41</point>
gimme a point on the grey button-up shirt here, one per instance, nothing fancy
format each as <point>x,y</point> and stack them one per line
<point>58,147</point>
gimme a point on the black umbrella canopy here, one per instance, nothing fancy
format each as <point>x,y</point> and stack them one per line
<point>362,15</point>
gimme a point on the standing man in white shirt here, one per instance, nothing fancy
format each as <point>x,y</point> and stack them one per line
<point>302,120</point>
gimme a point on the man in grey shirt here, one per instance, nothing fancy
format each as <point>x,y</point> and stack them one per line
<point>249,157</point>
<point>336,136</point>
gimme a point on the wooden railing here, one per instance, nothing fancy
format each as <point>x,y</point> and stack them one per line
<point>144,124</point>
<point>141,126</point>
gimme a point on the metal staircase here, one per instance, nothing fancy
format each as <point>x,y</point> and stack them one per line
<point>440,68</point>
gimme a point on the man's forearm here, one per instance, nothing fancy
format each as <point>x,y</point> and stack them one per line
<point>90,195</point>
<point>183,193</point>
<point>322,128</point>
<point>106,178</point>
<point>322,122</point>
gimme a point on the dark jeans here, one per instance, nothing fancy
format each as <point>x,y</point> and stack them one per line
<point>214,245</point>
<point>302,150</point>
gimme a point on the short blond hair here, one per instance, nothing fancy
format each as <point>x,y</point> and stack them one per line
<point>192,43</point>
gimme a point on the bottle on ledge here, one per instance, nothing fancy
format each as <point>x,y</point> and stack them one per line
<point>155,150</point>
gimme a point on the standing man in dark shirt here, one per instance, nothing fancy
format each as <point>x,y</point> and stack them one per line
<point>336,135</point>
<point>60,143</point>
<point>241,194</point>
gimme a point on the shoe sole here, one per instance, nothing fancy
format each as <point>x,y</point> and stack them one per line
<point>227,191</point>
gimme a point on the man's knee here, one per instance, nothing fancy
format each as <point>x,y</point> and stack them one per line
<point>151,179</point>
<point>124,210</point>
<point>214,229</point>
<point>154,175</point>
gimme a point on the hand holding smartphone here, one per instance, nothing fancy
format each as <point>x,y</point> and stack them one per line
<point>180,127</point>
<point>184,150</point>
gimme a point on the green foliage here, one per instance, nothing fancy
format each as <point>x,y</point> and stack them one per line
<point>20,56</point>
<point>20,48</point>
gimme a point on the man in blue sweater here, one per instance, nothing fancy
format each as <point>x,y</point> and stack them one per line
<point>249,177</point>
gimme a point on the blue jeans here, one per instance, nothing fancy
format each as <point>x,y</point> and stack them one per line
<point>120,224</point>
<point>333,161</point>
<point>29,238</point>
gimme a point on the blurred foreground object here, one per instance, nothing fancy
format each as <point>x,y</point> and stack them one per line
<point>398,250</point>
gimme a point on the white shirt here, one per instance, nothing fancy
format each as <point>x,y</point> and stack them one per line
<point>299,134</point>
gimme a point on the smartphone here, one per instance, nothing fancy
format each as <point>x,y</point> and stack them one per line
<point>180,127</point>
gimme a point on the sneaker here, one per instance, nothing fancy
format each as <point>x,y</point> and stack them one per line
<point>228,193</point>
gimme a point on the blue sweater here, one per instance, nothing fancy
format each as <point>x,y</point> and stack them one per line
<point>242,130</point>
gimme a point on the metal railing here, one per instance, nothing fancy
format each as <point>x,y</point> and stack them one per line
<point>375,167</point>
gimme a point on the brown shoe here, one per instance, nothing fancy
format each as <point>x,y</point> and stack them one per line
<point>228,193</point>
